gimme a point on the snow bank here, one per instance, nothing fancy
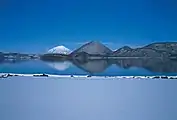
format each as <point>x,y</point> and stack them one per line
<point>5,75</point>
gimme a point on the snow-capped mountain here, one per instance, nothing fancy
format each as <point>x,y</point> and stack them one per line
<point>60,65</point>
<point>60,49</point>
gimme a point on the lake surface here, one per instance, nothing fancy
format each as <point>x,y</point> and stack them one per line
<point>98,67</point>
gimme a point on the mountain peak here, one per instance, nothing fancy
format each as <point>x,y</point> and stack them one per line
<point>126,48</point>
<point>94,47</point>
<point>60,50</point>
<point>123,50</point>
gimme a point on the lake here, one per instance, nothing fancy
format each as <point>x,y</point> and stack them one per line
<point>96,67</point>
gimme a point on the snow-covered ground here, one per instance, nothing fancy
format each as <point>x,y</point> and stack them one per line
<point>63,98</point>
<point>5,75</point>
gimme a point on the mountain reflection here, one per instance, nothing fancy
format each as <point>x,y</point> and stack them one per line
<point>153,65</point>
<point>61,66</point>
<point>92,66</point>
<point>158,65</point>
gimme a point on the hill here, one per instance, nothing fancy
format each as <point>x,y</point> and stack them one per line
<point>94,48</point>
<point>163,49</point>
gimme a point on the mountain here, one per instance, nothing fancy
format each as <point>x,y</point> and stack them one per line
<point>58,53</point>
<point>170,47</point>
<point>139,52</point>
<point>60,50</point>
<point>122,50</point>
<point>94,48</point>
<point>163,49</point>
<point>16,57</point>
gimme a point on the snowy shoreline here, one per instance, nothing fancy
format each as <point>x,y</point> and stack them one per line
<point>5,75</point>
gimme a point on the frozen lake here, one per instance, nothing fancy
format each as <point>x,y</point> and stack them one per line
<point>29,98</point>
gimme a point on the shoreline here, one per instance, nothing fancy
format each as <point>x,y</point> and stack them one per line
<point>5,75</point>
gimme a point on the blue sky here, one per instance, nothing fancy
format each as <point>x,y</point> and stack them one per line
<point>35,26</point>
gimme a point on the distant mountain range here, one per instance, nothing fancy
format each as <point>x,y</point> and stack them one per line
<point>16,57</point>
<point>95,57</point>
<point>96,50</point>
<point>162,49</point>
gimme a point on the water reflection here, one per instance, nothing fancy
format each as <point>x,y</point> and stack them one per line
<point>154,65</point>
<point>61,66</point>
<point>92,66</point>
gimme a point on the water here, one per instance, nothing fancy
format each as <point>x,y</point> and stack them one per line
<point>97,67</point>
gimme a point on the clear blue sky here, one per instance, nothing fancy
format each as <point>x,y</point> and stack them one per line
<point>35,26</point>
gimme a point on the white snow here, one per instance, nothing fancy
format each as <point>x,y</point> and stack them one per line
<point>60,49</point>
<point>46,98</point>
<point>92,77</point>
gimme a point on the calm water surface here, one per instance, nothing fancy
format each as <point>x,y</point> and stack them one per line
<point>95,68</point>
